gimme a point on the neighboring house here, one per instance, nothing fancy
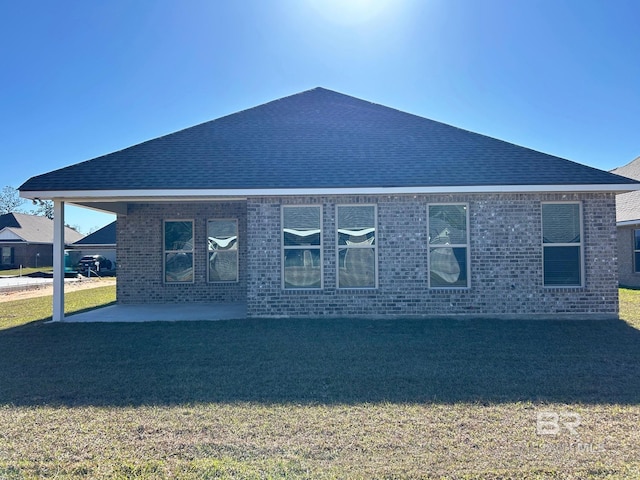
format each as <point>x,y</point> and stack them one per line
<point>324,205</point>
<point>628,219</point>
<point>101,242</point>
<point>27,240</point>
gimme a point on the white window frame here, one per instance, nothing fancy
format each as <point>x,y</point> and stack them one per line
<point>235,220</point>
<point>580,244</point>
<point>165,251</point>
<point>374,247</point>
<point>466,245</point>
<point>284,248</point>
<point>634,250</point>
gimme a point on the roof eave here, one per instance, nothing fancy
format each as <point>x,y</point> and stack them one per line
<point>186,194</point>
<point>628,223</point>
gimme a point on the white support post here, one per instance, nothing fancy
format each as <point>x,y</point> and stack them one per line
<point>58,260</point>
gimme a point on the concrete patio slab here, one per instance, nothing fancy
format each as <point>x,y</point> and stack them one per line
<point>162,313</point>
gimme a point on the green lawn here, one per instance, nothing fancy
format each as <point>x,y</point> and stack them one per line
<point>317,398</point>
<point>25,271</point>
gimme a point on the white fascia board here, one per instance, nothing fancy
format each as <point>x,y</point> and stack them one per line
<point>187,194</point>
<point>628,223</point>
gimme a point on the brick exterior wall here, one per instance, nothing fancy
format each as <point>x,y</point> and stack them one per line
<point>26,254</point>
<point>140,252</point>
<point>506,276</point>
<point>627,276</point>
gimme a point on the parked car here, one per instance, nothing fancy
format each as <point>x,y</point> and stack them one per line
<point>96,263</point>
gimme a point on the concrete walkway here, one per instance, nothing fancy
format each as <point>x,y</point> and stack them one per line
<point>162,313</point>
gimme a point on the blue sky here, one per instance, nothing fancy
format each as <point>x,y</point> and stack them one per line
<point>84,78</point>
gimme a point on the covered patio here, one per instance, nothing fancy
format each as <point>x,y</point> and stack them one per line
<point>162,312</point>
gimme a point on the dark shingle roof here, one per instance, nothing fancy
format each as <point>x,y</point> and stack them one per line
<point>34,228</point>
<point>104,236</point>
<point>628,204</point>
<point>319,139</point>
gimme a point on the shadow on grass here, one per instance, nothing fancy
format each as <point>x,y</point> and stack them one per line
<point>320,361</point>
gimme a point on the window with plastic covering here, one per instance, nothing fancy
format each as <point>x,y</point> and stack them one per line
<point>222,250</point>
<point>448,245</point>
<point>356,232</point>
<point>302,247</point>
<point>178,251</point>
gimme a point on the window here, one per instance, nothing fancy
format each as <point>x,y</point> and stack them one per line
<point>448,245</point>
<point>222,246</point>
<point>562,244</point>
<point>178,251</point>
<point>301,247</point>
<point>357,247</point>
<point>6,256</point>
<point>636,251</point>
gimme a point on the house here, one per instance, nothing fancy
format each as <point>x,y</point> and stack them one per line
<point>322,204</point>
<point>101,242</point>
<point>27,240</point>
<point>628,221</point>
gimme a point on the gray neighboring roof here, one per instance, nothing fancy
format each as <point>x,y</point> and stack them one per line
<point>628,204</point>
<point>319,139</point>
<point>106,236</point>
<point>34,228</point>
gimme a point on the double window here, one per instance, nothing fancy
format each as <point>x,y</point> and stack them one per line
<point>222,251</point>
<point>562,244</point>
<point>356,229</point>
<point>178,251</point>
<point>448,245</point>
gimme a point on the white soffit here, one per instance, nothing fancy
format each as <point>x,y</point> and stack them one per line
<point>231,194</point>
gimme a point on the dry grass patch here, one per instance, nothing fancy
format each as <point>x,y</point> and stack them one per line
<point>316,441</point>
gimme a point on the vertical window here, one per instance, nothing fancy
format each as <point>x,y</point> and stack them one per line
<point>302,247</point>
<point>6,256</point>
<point>562,244</point>
<point>636,251</point>
<point>448,245</point>
<point>357,246</point>
<point>178,251</point>
<point>222,245</point>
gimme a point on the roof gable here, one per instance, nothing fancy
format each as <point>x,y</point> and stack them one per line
<point>104,236</point>
<point>319,139</point>
<point>628,204</point>
<point>33,228</point>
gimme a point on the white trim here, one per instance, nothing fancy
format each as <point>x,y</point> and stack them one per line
<point>579,244</point>
<point>242,193</point>
<point>229,240</point>
<point>165,251</point>
<point>466,246</point>
<point>627,223</point>
<point>346,248</point>
<point>634,251</point>
<point>284,248</point>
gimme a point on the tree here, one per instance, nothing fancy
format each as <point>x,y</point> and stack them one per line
<point>44,209</point>
<point>10,201</point>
